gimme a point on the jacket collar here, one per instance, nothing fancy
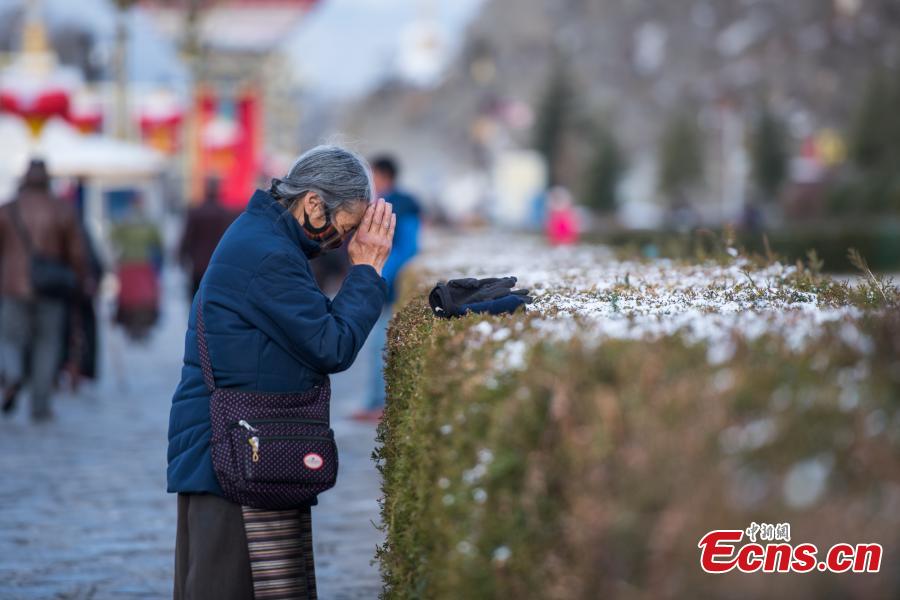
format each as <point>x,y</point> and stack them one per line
<point>263,204</point>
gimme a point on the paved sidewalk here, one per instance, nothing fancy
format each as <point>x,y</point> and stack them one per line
<point>84,508</point>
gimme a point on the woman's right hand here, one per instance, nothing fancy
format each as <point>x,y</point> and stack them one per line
<point>372,242</point>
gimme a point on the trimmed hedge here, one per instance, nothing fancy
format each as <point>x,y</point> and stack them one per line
<point>592,471</point>
<point>878,241</point>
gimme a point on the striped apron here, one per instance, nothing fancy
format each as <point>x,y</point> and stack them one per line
<point>281,553</point>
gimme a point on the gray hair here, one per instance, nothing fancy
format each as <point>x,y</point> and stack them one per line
<point>339,176</point>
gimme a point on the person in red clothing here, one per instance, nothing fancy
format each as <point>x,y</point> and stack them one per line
<point>561,225</point>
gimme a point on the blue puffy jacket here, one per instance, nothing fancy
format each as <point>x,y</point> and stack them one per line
<point>269,328</point>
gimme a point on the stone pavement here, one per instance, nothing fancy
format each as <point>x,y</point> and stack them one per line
<point>84,509</point>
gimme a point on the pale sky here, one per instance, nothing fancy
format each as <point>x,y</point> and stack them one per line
<point>346,46</point>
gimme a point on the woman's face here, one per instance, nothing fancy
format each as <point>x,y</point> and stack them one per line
<point>344,220</point>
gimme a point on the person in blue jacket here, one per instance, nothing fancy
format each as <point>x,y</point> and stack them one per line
<point>271,329</point>
<point>405,246</point>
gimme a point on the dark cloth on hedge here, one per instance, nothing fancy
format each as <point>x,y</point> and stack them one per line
<point>506,304</point>
<point>492,295</point>
<point>212,559</point>
<point>269,326</point>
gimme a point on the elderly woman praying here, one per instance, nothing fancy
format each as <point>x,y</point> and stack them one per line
<point>270,329</point>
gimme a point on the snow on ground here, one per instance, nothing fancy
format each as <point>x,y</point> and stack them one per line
<point>585,291</point>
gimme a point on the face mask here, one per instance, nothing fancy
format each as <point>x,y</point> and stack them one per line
<point>327,235</point>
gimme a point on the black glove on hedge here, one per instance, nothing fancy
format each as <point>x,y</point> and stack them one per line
<point>451,298</point>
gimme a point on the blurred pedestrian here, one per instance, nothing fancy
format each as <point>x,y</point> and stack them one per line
<point>405,246</point>
<point>137,243</point>
<point>203,229</point>
<point>81,344</point>
<point>43,264</point>
<point>263,332</point>
<point>561,226</point>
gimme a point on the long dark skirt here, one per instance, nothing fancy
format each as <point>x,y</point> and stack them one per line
<point>225,551</point>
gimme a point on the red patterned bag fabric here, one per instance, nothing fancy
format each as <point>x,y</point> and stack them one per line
<point>269,450</point>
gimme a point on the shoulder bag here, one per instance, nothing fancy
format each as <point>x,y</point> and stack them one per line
<point>50,278</point>
<point>269,450</point>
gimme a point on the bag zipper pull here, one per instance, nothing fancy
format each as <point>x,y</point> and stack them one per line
<point>247,425</point>
<point>254,443</point>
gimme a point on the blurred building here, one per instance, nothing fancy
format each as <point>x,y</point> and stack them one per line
<point>48,110</point>
<point>637,65</point>
<point>245,102</point>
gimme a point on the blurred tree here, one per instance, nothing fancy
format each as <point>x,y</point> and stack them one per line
<point>604,171</point>
<point>875,138</point>
<point>552,117</point>
<point>680,158</point>
<point>875,150</point>
<point>769,153</point>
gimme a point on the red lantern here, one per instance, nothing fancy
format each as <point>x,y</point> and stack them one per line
<point>85,113</point>
<point>161,133</point>
<point>160,121</point>
<point>87,123</point>
<point>220,138</point>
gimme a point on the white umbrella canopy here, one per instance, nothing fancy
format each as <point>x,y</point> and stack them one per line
<point>69,153</point>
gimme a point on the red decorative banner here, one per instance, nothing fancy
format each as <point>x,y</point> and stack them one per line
<point>36,108</point>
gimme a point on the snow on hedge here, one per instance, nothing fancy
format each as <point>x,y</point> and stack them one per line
<point>584,291</point>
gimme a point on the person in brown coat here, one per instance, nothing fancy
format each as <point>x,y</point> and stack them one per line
<point>203,229</point>
<point>35,224</point>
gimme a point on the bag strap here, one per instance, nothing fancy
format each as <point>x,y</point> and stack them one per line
<point>20,228</point>
<point>205,363</point>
